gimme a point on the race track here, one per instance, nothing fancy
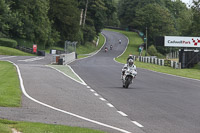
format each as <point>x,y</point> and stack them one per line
<point>160,103</point>
<point>154,103</point>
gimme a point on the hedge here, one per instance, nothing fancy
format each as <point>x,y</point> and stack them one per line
<point>8,42</point>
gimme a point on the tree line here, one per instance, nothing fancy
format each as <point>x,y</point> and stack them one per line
<point>51,22</point>
<point>160,17</point>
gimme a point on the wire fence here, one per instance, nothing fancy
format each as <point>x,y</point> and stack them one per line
<point>70,47</point>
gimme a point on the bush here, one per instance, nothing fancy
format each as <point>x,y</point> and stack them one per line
<point>152,50</point>
<point>8,42</point>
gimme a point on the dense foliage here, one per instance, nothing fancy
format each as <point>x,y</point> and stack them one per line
<point>51,22</point>
<point>160,17</point>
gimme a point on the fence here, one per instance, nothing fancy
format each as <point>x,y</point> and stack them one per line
<point>70,46</point>
<point>173,55</point>
<point>161,62</point>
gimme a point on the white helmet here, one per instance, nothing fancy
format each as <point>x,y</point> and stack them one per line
<point>130,62</point>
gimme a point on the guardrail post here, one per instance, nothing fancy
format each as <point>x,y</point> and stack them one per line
<point>163,62</point>
<point>171,64</point>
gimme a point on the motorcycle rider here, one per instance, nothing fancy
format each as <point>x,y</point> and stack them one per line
<point>130,64</point>
<point>120,41</point>
<point>106,48</point>
<point>111,47</point>
<point>130,57</point>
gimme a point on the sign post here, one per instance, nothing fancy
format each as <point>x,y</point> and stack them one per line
<point>179,41</point>
<point>34,48</point>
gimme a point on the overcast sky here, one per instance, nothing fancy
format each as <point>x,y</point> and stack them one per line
<point>187,1</point>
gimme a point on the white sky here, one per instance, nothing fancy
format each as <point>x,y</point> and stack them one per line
<point>188,2</point>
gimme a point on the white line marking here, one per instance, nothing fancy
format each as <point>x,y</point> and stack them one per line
<point>77,75</point>
<point>110,105</point>
<point>97,51</point>
<point>83,83</point>
<point>124,50</point>
<point>122,113</point>
<point>88,87</point>
<point>32,59</point>
<point>126,46</point>
<point>137,124</point>
<point>7,57</point>
<point>15,131</point>
<point>57,109</point>
<point>102,99</point>
<point>92,90</point>
<point>96,94</point>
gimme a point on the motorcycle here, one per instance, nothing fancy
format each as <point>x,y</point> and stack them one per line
<point>106,49</point>
<point>120,41</point>
<point>128,77</point>
<point>111,47</point>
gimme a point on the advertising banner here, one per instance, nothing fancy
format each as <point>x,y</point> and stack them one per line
<point>180,41</point>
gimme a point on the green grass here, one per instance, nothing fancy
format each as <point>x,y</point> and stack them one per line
<point>189,73</point>
<point>13,52</point>
<point>10,93</point>
<point>135,41</point>
<point>83,50</point>
<point>66,70</point>
<point>30,127</point>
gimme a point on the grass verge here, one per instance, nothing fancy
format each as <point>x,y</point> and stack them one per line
<point>30,127</point>
<point>135,41</point>
<point>13,52</point>
<point>66,70</point>
<point>84,50</point>
<point>10,93</point>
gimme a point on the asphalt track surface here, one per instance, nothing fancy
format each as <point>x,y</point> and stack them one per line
<point>160,103</point>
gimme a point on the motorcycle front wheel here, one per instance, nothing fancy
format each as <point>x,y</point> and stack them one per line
<point>127,82</point>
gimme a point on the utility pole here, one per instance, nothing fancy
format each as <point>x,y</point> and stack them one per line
<point>146,42</point>
<point>86,6</point>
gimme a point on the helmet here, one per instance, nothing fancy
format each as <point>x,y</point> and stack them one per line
<point>130,62</point>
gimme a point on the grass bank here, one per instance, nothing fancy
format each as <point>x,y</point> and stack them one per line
<point>13,52</point>
<point>88,48</point>
<point>135,41</point>
<point>10,93</point>
<point>30,127</point>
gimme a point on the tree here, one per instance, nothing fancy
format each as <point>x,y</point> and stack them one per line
<point>156,18</point>
<point>128,8</point>
<point>97,15</point>
<point>182,16</point>
<point>111,14</point>
<point>4,17</point>
<point>195,28</point>
<point>30,21</point>
<point>65,16</point>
